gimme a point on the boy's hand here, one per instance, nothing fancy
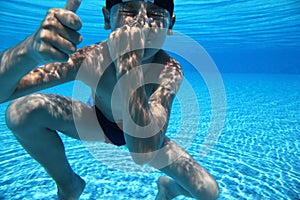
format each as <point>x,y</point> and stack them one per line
<point>57,36</point>
<point>127,39</point>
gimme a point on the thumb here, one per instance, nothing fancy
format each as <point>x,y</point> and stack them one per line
<point>72,5</point>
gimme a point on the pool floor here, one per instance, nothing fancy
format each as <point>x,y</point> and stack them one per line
<point>256,157</point>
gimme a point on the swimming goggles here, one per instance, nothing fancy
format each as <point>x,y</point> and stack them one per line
<point>166,4</point>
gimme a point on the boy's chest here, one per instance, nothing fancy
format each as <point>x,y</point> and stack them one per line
<point>108,98</point>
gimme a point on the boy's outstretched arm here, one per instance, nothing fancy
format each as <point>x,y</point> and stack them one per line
<point>51,74</point>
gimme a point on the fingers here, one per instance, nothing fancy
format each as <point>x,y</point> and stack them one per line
<point>59,31</point>
<point>52,53</point>
<point>46,53</point>
<point>58,42</point>
<point>72,5</point>
<point>126,39</point>
<point>57,36</point>
<point>68,29</point>
<point>67,18</point>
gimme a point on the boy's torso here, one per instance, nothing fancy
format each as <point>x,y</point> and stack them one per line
<point>107,85</point>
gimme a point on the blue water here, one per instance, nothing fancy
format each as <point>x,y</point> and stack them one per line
<point>255,45</point>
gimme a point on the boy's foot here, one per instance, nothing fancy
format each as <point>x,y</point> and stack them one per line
<point>72,192</point>
<point>166,188</point>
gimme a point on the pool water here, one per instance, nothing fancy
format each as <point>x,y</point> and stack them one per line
<point>256,157</point>
<point>255,45</point>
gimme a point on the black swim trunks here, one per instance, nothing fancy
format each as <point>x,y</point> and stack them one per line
<point>110,129</point>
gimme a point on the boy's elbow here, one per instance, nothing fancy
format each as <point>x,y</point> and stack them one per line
<point>215,190</point>
<point>210,191</point>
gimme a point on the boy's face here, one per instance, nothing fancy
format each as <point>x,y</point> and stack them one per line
<point>145,14</point>
<point>149,13</point>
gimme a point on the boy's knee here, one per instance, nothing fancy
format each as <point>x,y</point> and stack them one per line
<point>213,190</point>
<point>22,113</point>
<point>210,191</point>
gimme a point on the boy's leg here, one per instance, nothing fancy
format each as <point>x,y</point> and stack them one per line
<point>169,189</point>
<point>34,120</point>
<point>190,178</point>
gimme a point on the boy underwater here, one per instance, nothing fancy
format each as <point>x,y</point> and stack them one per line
<point>138,31</point>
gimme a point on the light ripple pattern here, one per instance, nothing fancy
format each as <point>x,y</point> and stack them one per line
<point>257,155</point>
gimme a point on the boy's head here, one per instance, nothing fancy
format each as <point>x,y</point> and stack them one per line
<point>166,4</point>
<point>158,12</point>
<point>153,14</point>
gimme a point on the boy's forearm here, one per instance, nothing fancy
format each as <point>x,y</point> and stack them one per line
<point>136,110</point>
<point>15,63</point>
<point>44,77</point>
<point>131,74</point>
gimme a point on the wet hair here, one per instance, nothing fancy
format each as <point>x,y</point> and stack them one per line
<point>166,4</point>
